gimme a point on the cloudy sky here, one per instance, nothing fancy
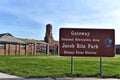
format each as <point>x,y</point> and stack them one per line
<point>28,18</point>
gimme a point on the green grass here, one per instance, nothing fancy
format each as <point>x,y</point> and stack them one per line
<point>34,66</point>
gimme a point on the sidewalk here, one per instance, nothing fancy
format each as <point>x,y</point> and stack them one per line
<point>4,76</point>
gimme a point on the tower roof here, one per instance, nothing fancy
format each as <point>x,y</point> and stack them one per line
<point>50,25</point>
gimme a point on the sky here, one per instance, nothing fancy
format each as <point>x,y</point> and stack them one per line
<point>28,18</point>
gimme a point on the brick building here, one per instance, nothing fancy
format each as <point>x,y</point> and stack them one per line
<point>39,47</point>
<point>53,45</point>
<point>9,45</point>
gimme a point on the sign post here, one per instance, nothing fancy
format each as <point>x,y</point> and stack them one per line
<point>72,66</point>
<point>100,66</point>
<point>87,43</point>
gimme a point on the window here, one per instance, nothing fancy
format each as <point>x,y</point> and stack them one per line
<point>117,46</point>
<point>24,46</point>
<point>2,46</point>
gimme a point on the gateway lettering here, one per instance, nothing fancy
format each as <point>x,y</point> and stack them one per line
<point>73,33</point>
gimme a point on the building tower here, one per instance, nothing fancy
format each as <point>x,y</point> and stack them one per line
<point>48,35</point>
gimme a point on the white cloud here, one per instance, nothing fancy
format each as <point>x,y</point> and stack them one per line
<point>66,13</point>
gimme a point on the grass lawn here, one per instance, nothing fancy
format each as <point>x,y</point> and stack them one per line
<point>32,66</point>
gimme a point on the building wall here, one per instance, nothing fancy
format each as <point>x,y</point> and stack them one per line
<point>13,49</point>
<point>2,52</point>
<point>31,48</point>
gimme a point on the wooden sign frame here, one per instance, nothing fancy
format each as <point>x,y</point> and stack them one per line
<point>87,42</point>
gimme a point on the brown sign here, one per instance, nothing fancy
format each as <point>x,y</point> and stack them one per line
<point>87,42</point>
